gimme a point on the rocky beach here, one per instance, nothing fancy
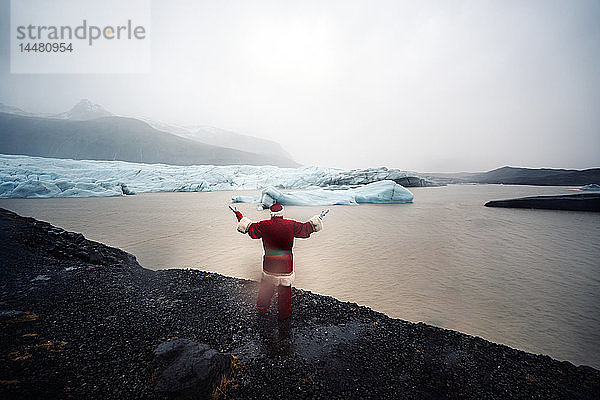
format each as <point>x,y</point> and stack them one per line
<point>84,320</point>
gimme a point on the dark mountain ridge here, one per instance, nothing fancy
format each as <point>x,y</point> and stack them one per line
<point>537,176</point>
<point>116,138</point>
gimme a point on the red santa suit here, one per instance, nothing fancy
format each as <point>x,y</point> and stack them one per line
<point>278,235</point>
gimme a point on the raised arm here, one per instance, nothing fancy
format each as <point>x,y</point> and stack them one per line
<point>251,228</point>
<point>304,229</point>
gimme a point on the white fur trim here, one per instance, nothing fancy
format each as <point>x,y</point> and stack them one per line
<point>279,280</point>
<point>278,213</point>
<point>316,222</point>
<point>243,225</point>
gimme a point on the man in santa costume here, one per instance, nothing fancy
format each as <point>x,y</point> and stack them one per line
<point>278,235</point>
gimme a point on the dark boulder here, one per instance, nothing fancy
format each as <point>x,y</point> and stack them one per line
<point>189,369</point>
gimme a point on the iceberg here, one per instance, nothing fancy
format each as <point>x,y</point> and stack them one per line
<point>591,186</point>
<point>381,192</point>
<point>31,177</point>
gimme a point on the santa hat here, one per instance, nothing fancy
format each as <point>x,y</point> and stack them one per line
<point>276,210</point>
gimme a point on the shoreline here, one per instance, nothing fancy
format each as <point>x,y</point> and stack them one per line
<point>81,319</point>
<point>567,202</point>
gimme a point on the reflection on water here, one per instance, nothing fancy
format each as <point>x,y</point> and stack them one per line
<point>526,278</point>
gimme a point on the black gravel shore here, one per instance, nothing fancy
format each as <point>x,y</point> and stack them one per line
<point>82,320</point>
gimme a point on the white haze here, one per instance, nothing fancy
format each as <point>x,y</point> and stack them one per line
<point>426,86</point>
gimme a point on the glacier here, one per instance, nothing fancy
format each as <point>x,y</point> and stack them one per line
<point>385,191</point>
<point>39,177</point>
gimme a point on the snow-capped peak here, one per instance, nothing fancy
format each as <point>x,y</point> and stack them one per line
<point>84,110</point>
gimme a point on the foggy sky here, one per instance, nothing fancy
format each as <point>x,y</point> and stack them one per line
<point>423,85</point>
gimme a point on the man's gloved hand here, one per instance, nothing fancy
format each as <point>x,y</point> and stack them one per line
<point>323,213</point>
<point>238,215</point>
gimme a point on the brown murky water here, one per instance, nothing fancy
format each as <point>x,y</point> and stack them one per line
<point>526,278</point>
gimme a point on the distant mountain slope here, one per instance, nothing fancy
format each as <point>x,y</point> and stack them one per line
<point>4,108</point>
<point>85,110</point>
<point>82,111</point>
<point>115,138</point>
<point>541,176</point>
<point>223,138</point>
